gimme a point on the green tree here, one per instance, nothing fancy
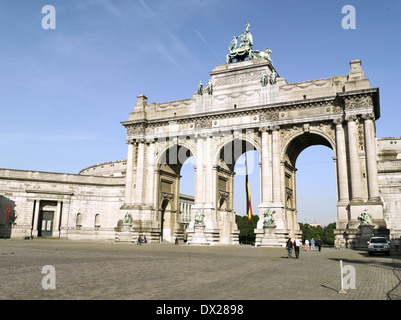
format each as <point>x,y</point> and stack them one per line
<point>328,237</point>
<point>246,228</point>
<point>326,234</point>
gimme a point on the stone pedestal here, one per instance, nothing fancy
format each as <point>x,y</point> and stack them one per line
<point>197,236</point>
<point>359,238</point>
<point>126,234</point>
<point>268,238</point>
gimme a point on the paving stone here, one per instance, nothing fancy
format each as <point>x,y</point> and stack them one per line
<point>97,270</point>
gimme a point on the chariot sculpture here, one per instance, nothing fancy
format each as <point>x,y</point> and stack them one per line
<point>245,49</point>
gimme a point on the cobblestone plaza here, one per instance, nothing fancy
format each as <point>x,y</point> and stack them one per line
<point>97,270</point>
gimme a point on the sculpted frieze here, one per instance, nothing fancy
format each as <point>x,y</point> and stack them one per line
<point>358,102</point>
<point>136,128</point>
<point>268,115</point>
<point>239,78</point>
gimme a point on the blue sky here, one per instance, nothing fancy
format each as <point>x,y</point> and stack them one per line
<point>64,92</point>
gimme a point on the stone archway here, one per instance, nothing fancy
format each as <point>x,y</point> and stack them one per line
<point>283,119</point>
<point>297,141</point>
<point>168,185</point>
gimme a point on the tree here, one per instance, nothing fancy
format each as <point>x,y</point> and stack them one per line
<point>328,237</point>
<point>326,234</point>
<point>246,228</point>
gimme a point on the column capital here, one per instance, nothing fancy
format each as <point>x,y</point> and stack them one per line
<point>351,118</point>
<point>338,121</point>
<point>368,116</point>
<point>263,129</point>
<point>274,128</point>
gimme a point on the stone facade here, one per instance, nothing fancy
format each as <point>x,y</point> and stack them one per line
<point>79,206</point>
<point>246,106</point>
<point>389,167</point>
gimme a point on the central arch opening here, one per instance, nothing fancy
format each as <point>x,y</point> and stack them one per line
<point>310,185</point>
<point>238,159</point>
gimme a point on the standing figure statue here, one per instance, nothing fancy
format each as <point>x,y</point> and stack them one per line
<point>273,77</point>
<point>233,44</point>
<point>210,87</point>
<point>200,88</point>
<point>264,80</point>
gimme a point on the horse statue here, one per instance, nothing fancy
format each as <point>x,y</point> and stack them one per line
<point>263,54</point>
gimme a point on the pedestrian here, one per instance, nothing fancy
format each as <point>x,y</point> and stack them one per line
<point>306,245</point>
<point>289,248</point>
<point>338,244</point>
<point>397,244</point>
<point>297,245</point>
<point>176,240</point>
<point>144,239</point>
<point>139,241</point>
<point>312,244</point>
<point>319,244</point>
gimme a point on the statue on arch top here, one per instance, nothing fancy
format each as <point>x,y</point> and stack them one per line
<point>245,49</point>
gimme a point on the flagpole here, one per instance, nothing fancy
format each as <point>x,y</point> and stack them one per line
<point>248,193</point>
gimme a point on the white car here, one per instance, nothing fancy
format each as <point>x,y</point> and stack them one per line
<point>378,244</point>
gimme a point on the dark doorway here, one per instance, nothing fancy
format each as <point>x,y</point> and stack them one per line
<point>46,224</point>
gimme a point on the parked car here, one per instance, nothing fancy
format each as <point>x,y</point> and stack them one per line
<point>378,244</point>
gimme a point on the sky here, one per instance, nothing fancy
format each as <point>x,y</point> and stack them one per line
<point>65,91</point>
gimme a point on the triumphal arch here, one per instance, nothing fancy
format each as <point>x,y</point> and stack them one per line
<point>246,105</point>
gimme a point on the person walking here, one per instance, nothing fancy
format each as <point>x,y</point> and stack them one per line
<point>297,245</point>
<point>289,248</point>
<point>306,245</point>
<point>139,241</point>
<point>319,244</point>
<point>312,244</point>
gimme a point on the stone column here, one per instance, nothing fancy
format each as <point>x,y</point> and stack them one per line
<point>209,172</point>
<point>56,227</point>
<point>356,185</point>
<point>371,160</point>
<point>199,172</point>
<point>276,165</point>
<point>140,173</point>
<point>129,174</point>
<point>35,218</point>
<point>150,174</point>
<point>342,171</point>
<point>265,167</point>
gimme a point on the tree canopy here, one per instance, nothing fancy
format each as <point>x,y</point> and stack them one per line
<point>326,234</point>
<point>246,228</point>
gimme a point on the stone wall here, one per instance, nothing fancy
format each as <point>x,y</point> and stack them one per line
<point>389,168</point>
<point>28,193</point>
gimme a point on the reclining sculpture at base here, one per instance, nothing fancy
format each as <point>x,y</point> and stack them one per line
<point>245,49</point>
<point>365,217</point>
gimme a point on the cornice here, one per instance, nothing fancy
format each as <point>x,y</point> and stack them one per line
<point>335,105</point>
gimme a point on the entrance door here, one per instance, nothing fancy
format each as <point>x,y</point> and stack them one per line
<point>47,224</point>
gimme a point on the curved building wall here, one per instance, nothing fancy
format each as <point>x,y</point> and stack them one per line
<point>116,168</point>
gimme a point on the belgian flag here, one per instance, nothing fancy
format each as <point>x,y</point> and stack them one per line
<point>7,222</point>
<point>248,192</point>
